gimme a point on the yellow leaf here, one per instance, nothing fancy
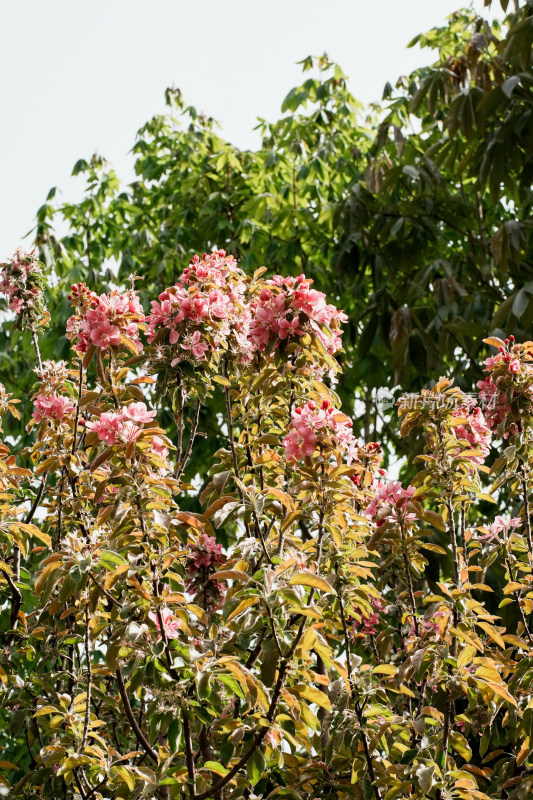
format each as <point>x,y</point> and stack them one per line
<point>45,710</point>
<point>291,517</point>
<point>512,587</point>
<point>492,632</point>
<point>314,695</point>
<point>39,583</point>
<point>227,498</point>
<point>466,655</point>
<point>385,669</point>
<point>523,752</point>
<point>487,497</point>
<point>243,605</point>
<point>310,579</point>
<point>308,640</point>
<point>497,688</point>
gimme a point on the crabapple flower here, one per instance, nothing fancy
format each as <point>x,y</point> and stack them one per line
<point>203,313</point>
<point>21,280</point>
<point>368,624</point>
<point>137,412</point>
<point>203,558</point>
<point>475,431</point>
<point>311,424</point>
<point>500,525</point>
<point>52,406</point>
<point>171,624</point>
<point>389,503</point>
<point>196,345</point>
<point>105,321</point>
<point>108,427</point>
<point>495,402</point>
<point>287,308</point>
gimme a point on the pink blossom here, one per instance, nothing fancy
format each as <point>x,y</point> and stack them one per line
<point>16,305</point>
<point>389,503</point>
<point>103,320</point>
<point>209,297</point>
<point>137,412</point>
<point>159,447</point>
<point>171,624</point>
<point>52,406</point>
<point>290,308</point>
<point>108,426</point>
<point>21,282</point>
<point>310,422</point>
<point>495,402</point>
<point>500,524</point>
<point>204,557</point>
<point>368,624</point>
<point>475,431</point>
<point>103,334</point>
<point>196,345</point>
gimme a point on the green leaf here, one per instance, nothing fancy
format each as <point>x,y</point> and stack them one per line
<point>459,743</point>
<point>216,766</point>
<point>255,767</point>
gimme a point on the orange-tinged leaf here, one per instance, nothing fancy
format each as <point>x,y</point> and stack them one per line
<point>284,498</point>
<point>494,341</point>
<point>229,574</point>
<point>227,498</point>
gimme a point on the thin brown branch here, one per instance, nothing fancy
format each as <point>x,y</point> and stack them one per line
<point>180,466</point>
<point>139,735</point>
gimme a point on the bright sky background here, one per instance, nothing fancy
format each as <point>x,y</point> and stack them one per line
<point>80,77</point>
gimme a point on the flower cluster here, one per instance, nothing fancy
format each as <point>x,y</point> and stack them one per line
<point>209,311</point>
<point>500,524</point>
<point>473,429</point>
<point>495,402</point>
<point>367,625</point>
<point>52,406</point>
<point>171,623</point>
<point>313,425</point>
<point>507,392</point>
<point>21,280</point>
<point>122,426</point>
<point>202,311</point>
<point>288,307</point>
<point>203,558</point>
<point>390,502</point>
<point>125,426</point>
<point>105,321</point>
<point>429,623</point>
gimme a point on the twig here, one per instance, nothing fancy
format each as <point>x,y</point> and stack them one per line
<point>409,580</point>
<point>89,679</point>
<point>76,418</point>
<point>180,466</point>
<point>141,738</point>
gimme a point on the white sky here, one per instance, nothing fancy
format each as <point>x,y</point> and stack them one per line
<point>80,76</point>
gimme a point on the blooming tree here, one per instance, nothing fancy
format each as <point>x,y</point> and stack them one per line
<point>301,626</point>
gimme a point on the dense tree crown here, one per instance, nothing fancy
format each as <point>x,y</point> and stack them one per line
<point>313,629</point>
<point>210,586</point>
